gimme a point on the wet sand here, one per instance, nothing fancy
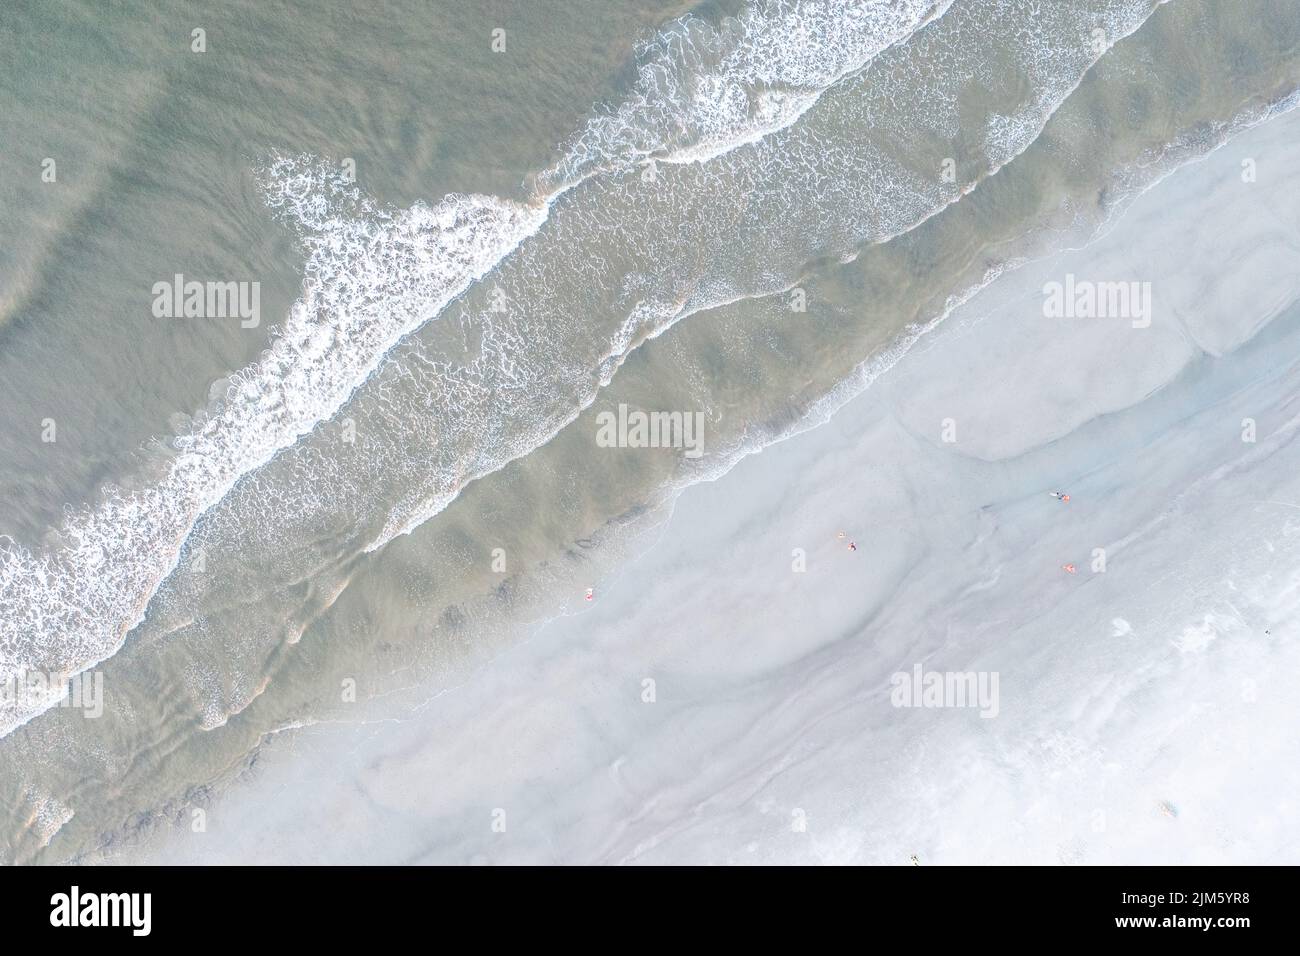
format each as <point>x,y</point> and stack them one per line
<point>1133,705</point>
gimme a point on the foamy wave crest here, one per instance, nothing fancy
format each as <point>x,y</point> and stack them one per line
<point>748,258</point>
<point>69,606</point>
<point>702,90</point>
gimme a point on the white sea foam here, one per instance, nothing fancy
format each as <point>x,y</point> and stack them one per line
<point>1127,184</point>
<point>702,90</point>
<point>373,276</point>
<point>70,606</point>
<point>902,204</point>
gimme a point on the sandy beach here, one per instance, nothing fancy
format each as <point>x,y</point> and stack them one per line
<point>731,695</point>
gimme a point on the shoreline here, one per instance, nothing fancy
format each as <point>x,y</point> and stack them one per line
<point>635,773</point>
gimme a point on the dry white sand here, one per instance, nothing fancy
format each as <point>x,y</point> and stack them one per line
<point>1145,714</point>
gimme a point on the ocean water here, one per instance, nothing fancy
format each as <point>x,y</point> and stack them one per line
<point>466,255</point>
